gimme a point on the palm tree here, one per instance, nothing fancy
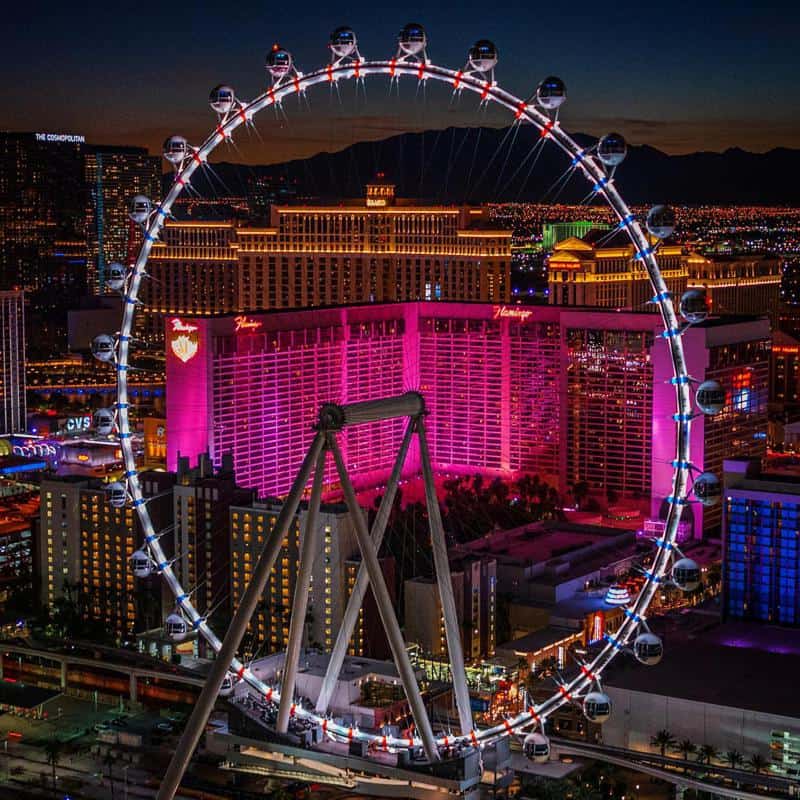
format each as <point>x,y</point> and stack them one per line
<point>580,491</point>
<point>662,740</point>
<point>706,753</point>
<point>109,761</point>
<point>733,758</point>
<point>757,763</point>
<point>687,747</point>
<point>53,748</point>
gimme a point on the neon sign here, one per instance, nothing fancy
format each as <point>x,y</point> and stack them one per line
<point>245,324</point>
<point>71,138</point>
<point>521,314</point>
<point>598,626</point>
<point>38,450</point>
<point>185,344</point>
<point>184,347</point>
<point>380,195</point>
<point>78,424</point>
<point>180,325</point>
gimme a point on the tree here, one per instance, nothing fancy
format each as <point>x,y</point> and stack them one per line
<point>706,754</point>
<point>662,740</point>
<point>686,748</point>
<point>757,763</point>
<point>580,491</point>
<point>733,758</point>
<point>53,749</point>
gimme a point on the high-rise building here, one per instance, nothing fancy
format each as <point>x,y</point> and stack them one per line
<point>563,393</point>
<point>479,610</point>
<point>601,269</point>
<point>790,282</point>
<point>784,375</point>
<point>423,613</point>
<point>18,517</point>
<point>42,201</point>
<point>50,306</point>
<point>474,582</point>
<point>734,351</point>
<point>12,363</point>
<point>490,375</point>
<point>109,536</point>
<point>269,628</point>
<point>761,556</point>
<point>742,284</point>
<point>113,176</point>
<point>369,637</point>
<point>58,539</point>
<point>64,211</point>
<point>610,405</point>
<point>386,250</point>
<point>202,499</point>
<point>194,269</point>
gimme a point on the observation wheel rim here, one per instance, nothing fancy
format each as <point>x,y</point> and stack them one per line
<point>595,173</point>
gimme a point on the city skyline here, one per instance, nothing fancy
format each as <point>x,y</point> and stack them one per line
<point>344,475</point>
<point>713,99</point>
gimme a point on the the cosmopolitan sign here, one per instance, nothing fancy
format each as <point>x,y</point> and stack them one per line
<point>511,312</point>
<point>68,138</point>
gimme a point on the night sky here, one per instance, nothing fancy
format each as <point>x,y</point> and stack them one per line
<point>683,76</point>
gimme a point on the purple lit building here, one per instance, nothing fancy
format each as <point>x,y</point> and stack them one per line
<point>761,538</point>
<point>569,394</point>
<point>735,351</point>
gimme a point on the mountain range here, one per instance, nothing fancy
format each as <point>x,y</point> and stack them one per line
<point>460,165</point>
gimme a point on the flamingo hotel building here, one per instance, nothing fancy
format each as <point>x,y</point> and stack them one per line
<point>569,394</point>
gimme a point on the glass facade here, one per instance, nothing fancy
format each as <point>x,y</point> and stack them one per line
<point>610,408</point>
<point>113,177</point>
<point>762,560</point>
<point>12,363</point>
<point>268,629</point>
<point>568,395</point>
<point>740,429</point>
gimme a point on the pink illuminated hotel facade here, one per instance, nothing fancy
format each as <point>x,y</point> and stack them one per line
<point>569,394</point>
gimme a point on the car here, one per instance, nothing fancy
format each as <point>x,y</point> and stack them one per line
<point>119,723</point>
<point>164,727</point>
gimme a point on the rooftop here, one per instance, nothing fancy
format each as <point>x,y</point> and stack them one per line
<point>542,541</point>
<point>761,664</point>
<point>538,640</point>
<point>576,607</point>
<point>475,309</point>
<point>316,664</point>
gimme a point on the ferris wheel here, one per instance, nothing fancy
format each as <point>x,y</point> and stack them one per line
<point>597,164</point>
